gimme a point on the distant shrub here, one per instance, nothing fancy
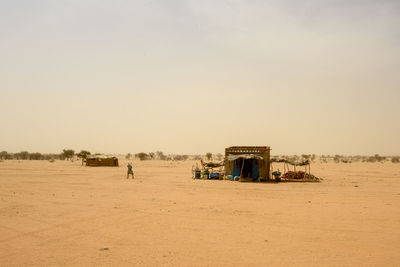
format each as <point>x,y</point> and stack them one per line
<point>160,155</point>
<point>180,157</point>
<point>22,155</point>
<point>346,160</point>
<point>395,159</point>
<point>337,158</point>
<point>67,154</point>
<point>323,159</point>
<point>208,155</point>
<point>152,155</point>
<point>142,156</point>
<point>35,156</point>
<point>380,158</point>
<point>313,157</point>
<point>3,155</point>
<point>197,157</point>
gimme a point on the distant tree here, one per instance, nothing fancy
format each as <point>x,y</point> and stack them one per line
<point>128,156</point>
<point>197,157</point>
<point>35,156</point>
<point>337,158</point>
<point>294,158</point>
<point>3,155</point>
<point>379,158</point>
<point>152,155</point>
<point>142,156</point>
<point>181,157</point>
<point>395,159</point>
<point>22,155</point>
<point>219,156</point>
<point>83,155</point>
<point>177,157</point>
<point>49,157</point>
<point>160,155</point>
<point>208,155</point>
<point>67,154</point>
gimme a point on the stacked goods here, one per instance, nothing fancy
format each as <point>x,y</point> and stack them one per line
<point>294,175</point>
<point>214,176</point>
<point>300,175</point>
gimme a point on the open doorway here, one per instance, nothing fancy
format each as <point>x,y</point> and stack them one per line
<point>247,168</point>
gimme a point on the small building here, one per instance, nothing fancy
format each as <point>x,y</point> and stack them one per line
<point>249,163</point>
<point>101,160</point>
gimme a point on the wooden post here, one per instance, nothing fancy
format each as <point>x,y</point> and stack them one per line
<point>241,171</point>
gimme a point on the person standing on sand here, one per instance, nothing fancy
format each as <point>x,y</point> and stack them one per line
<point>130,171</point>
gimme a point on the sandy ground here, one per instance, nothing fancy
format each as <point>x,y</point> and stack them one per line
<point>64,214</point>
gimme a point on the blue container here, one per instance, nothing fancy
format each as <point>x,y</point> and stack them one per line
<point>214,176</point>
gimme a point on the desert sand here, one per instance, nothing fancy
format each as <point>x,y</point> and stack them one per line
<point>65,214</point>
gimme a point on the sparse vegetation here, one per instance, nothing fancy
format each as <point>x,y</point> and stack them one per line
<point>23,155</point>
<point>323,159</point>
<point>180,157</point>
<point>4,155</point>
<point>197,157</point>
<point>142,156</point>
<point>35,156</point>
<point>67,154</point>
<point>83,155</point>
<point>305,157</point>
<point>160,155</point>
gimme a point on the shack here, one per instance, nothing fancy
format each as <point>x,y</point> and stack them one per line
<point>101,160</point>
<point>249,163</point>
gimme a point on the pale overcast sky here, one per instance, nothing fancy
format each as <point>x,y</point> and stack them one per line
<point>192,76</point>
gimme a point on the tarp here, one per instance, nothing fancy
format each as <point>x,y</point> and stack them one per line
<point>243,156</point>
<point>301,163</point>
<point>212,164</point>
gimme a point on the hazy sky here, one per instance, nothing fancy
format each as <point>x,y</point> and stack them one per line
<point>193,76</point>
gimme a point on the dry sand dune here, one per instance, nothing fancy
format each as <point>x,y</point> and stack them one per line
<point>64,214</point>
